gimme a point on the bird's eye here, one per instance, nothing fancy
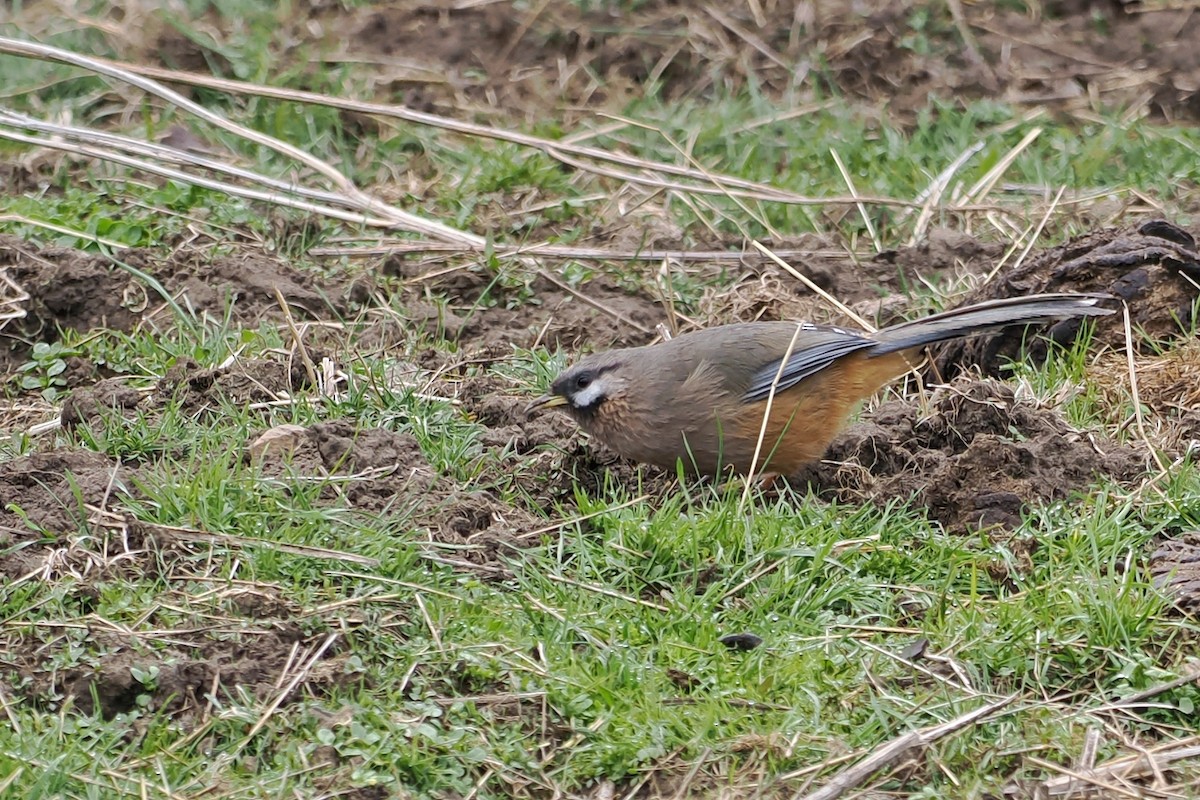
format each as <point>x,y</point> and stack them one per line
<point>583,381</point>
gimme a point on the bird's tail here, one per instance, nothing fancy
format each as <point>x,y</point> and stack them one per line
<point>986,316</point>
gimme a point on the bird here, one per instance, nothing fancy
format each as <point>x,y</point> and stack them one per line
<point>700,399</point>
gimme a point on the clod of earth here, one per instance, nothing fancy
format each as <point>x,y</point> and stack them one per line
<point>873,287</point>
<point>977,458</point>
<point>175,678</point>
<point>478,309</point>
<point>1153,267</point>
<point>40,491</point>
<point>198,389</point>
<point>75,290</point>
<point>94,403</point>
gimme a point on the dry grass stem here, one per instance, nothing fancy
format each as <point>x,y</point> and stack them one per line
<point>883,756</point>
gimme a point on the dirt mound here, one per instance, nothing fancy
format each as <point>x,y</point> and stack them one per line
<point>504,52</point>
<point>175,678</point>
<point>244,382</point>
<point>381,472</point>
<point>390,473</point>
<point>95,403</point>
<point>613,318</point>
<point>54,522</point>
<point>40,490</point>
<point>1054,56</point>
<point>876,289</point>
<point>72,289</point>
<point>477,530</point>
<point>554,458</point>
<point>489,401</point>
<point>246,281</point>
<point>1154,267</point>
<point>68,289</point>
<point>977,459</point>
<point>510,55</point>
<point>481,310</point>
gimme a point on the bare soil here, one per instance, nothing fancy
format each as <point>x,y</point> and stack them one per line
<point>1153,267</point>
<point>976,458</point>
<point>508,55</point>
<point>177,679</point>
<point>44,486</point>
<point>876,289</point>
<point>475,307</point>
<point>80,291</point>
<point>511,57</point>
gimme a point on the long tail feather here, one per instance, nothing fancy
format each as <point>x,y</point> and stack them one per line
<point>987,316</point>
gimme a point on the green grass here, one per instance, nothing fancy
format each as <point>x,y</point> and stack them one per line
<point>795,155</point>
<point>595,652</point>
<point>608,630</point>
<point>488,178</point>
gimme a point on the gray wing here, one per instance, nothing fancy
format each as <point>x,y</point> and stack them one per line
<point>816,348</point>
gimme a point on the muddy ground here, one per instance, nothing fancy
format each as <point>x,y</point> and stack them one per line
<point>506,56</point>
<point>509,57</point>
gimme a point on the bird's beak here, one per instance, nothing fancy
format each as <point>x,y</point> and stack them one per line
<point>545,401</point>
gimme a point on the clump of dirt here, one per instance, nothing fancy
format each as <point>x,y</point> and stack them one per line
<point>480,311</point>
<point>377,471</point>
<point>343,449</point>
<point>41,490</point>
<point>244,382</point>
<point>1175,567</point>
<point>483,532</point>
<point>19,178</point>
<point>562,319</point>
<point>71,289</point>
<point>507,427</point>
<point>247,281</point>
<point>94,403</point>
<point>174,49</point>
<point>68,289</point>
<point>977,459</point>
<point>503,52</point>
<point>47,529</point>
<point>943,251</point>
<point>392,471</point>
<point>1153,267</point>
<point>876,289</point>
<point>1073,59</point>
<point>549,445</point>
<point>174,680</point>
<point>373,470</point>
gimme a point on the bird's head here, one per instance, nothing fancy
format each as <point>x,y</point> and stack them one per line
<point>584,388</point>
